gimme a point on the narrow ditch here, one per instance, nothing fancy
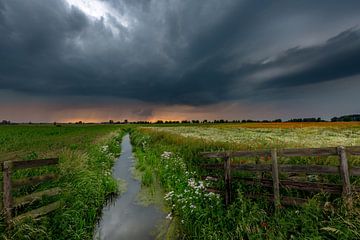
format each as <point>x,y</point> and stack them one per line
<point>124,217</point>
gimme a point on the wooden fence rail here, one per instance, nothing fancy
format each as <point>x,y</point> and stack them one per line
<point>275,169</point>
<point>292,152</point>
<point>10,203</point>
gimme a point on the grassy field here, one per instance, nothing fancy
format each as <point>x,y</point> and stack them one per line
<point>86,153</point>
<point>168,158</point>
<point>19,141</point>
<point>260,136</point>
<point>170,155</point>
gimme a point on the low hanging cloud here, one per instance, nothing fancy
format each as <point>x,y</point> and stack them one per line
<point>175,52</point>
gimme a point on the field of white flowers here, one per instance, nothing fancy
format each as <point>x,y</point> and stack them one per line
<point>257,138</point>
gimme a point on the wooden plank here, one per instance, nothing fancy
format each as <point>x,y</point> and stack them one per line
<point>308,152</point>
<point>33,180</point>
<point>275,177</point>
<point>35,163</point>
<point>311,169</point>
<point>38,212</point>
<point>353,150</point>
<point>7,195</point>
<point>304,186</point>
<point>214,154</point>
<point>291,152</point>
<point>227,178</point>
<point>20,201</point>
<point>344,172</point>
<point>252,167</point>
<point>255,153</point>
<point>212,166</point>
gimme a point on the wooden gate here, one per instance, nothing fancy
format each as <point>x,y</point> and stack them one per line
<point>10,203</point>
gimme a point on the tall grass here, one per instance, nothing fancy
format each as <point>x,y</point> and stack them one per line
<point>85,179</point>
<point>174,160</point>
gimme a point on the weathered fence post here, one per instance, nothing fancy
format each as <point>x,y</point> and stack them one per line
<point>275,177</point>
<point>227,175</point>
<point>7,191</point>
<point>344,172</point>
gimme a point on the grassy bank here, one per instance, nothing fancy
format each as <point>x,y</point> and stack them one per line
<point>172,160</point>
<point>86,155</point>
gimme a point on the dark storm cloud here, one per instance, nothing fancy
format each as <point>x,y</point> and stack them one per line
<point>176,52</point>
<point>338,58</point>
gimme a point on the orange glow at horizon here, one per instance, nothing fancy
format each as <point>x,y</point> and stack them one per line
<point>174,113</point>
<point>84,120</point>
<point>151,119</point>
<point>40,110</point>
<point>155,119</point>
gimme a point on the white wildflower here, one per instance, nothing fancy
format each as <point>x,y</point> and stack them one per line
<point>169,195</point>
<point>166,155</point>
<point>169,216</point>
<point>104,148</point>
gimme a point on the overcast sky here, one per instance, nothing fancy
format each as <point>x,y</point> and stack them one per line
<point>67,60</point>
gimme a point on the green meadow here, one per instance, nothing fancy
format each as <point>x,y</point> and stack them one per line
<point>168,165</point>
<point>86,154</point>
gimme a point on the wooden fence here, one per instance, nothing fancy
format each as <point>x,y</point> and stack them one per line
<point>10,203</point>
<point>275,169</point>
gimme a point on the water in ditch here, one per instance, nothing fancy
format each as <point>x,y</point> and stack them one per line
<point>124,217</point>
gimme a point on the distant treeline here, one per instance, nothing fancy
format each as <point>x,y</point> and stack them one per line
<point>347,118</point>
<point>5,122</point>
<point>306,120</point>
